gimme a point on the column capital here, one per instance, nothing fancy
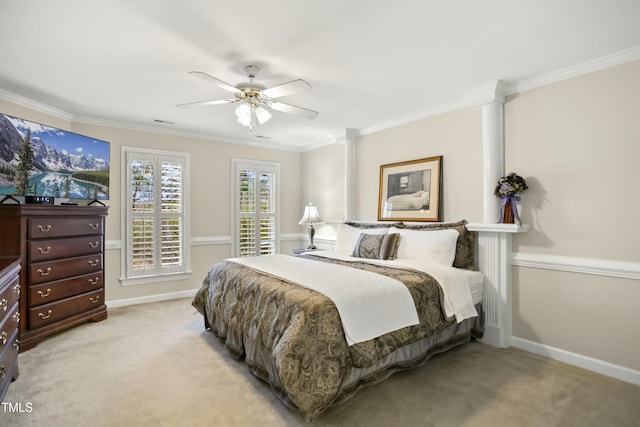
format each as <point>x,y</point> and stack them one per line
<point>346,135</point>
<point>494,91</point>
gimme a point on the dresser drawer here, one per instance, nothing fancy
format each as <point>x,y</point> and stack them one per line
<point>9,325</point>
<point>59,289</point>
<point>60,310</point>
<point>41,272</point>
<point>9,295</point>
<point>44,250</point>
<point>9,361</point>
<point>46,228</point>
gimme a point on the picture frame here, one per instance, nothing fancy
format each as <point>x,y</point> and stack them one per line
<point>411,190</point>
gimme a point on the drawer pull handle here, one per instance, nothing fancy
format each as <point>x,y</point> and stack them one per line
<point>3,337</point>
<point>94,244</point>
<point>45,228</point>
<point>45,316</point>
<point>16,316</point>
<point>45,294</point>
<point>3,372</point>
<point>3,304</point>
<point>94,300</point>
<point>17,288</point>
<point>94,226</point>
<point>45,251</point>
<point>44,273</point>
<point>94,281</point>
<point>94,263</point>
<point>16,345</point>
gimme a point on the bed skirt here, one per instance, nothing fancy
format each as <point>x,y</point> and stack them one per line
<point>407,357</point>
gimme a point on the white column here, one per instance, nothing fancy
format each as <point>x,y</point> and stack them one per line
<point>494,240</point>
<point>348,138</point>
<point>492,158</point>
<point>491,97</point>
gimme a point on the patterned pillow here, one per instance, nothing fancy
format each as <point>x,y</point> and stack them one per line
<point>348,236</point>
<point>376,246</point>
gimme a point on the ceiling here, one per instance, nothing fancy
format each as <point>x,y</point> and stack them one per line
<point>372,63</point>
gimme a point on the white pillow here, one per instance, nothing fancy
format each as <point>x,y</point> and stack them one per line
<point>348,237</point>
<point>436,247</point>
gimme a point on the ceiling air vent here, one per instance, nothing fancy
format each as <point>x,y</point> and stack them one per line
<point>162,122</point>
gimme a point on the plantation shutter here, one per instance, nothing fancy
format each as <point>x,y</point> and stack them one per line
<point>155,214</point>
<point>255,205</point>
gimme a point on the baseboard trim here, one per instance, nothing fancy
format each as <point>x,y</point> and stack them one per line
<point>125,302</point>
<point>605,368</point>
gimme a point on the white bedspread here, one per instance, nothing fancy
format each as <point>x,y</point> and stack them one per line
<point>455,283</point>
<point>382,306</point>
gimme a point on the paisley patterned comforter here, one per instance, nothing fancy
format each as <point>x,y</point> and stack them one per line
<point>292,337</point>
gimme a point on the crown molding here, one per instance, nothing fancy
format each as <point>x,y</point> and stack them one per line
<point>34,105</point>
<point>598,64</point>
<point>501,89</point>
<point>166,130</point>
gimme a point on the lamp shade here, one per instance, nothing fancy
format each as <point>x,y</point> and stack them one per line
<point>310,215</point>
<point>263,115</point>
<point>247,114</point>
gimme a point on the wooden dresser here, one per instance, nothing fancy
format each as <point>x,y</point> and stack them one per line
<point>9,319</point>
<point>62,249</point>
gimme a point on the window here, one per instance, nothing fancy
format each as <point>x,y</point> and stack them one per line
<point>255,207</point>
<point>154,215</point>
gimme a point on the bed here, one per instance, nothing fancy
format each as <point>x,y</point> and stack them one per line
<point>289,319</point>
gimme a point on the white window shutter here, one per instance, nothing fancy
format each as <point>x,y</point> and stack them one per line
<point>255,202</point>
<point>155,215</point>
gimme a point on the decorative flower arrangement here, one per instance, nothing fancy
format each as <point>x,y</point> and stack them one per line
<point>510,185</point>
<point>507,189</point>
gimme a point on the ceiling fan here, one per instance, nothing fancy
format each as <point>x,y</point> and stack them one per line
<point>256,99</point>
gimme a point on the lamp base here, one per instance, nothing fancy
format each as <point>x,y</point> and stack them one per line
<point>312,247</point>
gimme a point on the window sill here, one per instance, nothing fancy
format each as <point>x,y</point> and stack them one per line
<point>145,280</point>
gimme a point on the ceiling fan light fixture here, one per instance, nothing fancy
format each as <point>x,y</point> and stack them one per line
<point>263,115</point>
<point>249,116</point>
<point>243,111</point>
<point>256,99</point>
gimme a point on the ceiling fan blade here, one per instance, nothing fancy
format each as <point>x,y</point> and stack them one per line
<point>292,109</point>
<point>209,78</point>
<point>287,88</point>
<point>216,102</point>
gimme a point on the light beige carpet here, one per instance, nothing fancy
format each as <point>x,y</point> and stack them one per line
<point>154,365</point>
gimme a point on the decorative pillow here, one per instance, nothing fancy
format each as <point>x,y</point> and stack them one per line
<point>465,246</point>
<point>348,236</point>
<point>376,246</point>
<point>436,247</point>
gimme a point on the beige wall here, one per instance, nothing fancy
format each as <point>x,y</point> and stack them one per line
<point>210,177</point>
<point>577,142</point>
<point>324,184</point>
<point>457,136</point>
